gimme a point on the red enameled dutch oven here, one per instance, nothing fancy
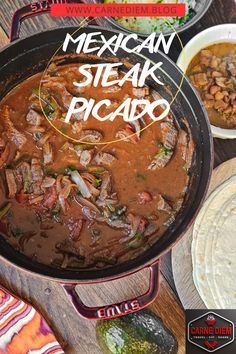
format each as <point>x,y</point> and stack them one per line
<point>24,58</point>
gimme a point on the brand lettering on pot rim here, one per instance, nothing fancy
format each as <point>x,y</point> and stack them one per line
<point>44,5</point>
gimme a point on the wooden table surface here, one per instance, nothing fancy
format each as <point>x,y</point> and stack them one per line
<point>49,296</point>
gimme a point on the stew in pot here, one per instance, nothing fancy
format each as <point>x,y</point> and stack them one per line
<point>77,205</point>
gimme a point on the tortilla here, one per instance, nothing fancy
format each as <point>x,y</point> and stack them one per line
<point>214,248</point>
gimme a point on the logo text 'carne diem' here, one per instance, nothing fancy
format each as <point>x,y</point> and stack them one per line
<point>210,331</point>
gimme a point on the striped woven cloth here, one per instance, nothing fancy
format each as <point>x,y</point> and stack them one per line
<point>23,330</point>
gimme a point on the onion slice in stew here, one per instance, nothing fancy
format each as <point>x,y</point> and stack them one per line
<point>75,176</point>
<point>84,202</point>
<point>4,211</point>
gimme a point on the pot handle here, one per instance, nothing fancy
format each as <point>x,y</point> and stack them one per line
<point>119,309</point>
<point>32,10</point>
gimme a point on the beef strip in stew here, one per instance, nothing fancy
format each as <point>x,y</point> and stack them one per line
<point>77,205</point>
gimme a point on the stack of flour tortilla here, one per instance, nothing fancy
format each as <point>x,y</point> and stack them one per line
<point>214,248</point>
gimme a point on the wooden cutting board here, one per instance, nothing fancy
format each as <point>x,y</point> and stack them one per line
<point>3,38</point>
<point>181,254</point>
<point>78,334</point>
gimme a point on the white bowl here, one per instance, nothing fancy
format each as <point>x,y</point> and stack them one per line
<point>217,34</point>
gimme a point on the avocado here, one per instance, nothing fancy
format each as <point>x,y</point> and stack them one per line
<point>139,333</point>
